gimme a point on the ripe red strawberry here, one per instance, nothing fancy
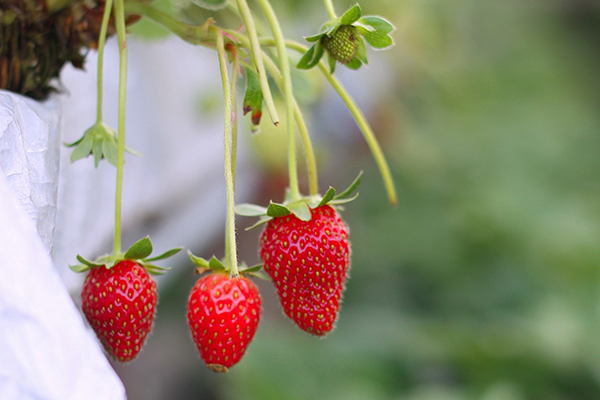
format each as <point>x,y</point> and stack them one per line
<point>119,303</point>
<point>223,315</point>
<point>308,262</point>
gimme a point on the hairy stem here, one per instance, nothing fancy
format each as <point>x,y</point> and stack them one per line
<point>311,163</point>
<point>190,33</point>
<point>230,227</point>
<point>101,41</point>
<point>360,119</point>
<point>284,65</point>
<point>120,23</point>
<point>234,130</point>
<point>257,59</point>
<point>330,10</point>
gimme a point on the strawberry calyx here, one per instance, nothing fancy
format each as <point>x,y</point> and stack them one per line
<point>100,141</point>
<point>139,252</point>
<point>343,39</point>
<point>300,208</point>
<point>218,266</point>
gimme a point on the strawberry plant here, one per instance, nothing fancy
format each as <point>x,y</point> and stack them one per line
<point>118,295</point>
<point>305,246</point>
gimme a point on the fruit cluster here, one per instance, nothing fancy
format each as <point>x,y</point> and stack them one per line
<point>304,246</point>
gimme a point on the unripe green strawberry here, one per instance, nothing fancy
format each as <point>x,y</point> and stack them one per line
<point>308,261</point>
<point>119,304</point>
<point>342,44</point>
<point>223,315</point>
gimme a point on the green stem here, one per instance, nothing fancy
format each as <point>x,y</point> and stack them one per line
<point>368,134</point>
<point>330,10</point>
<point>193,34</point>
<point>230,227</point>
<point>120,23</point>
<point>101,41</point>
<point>360,119</point>
<point>257,59</point>
<point>196,35</point>
<point>234,128</point>
<point>311,163</point>
<point>309,154</point>
<point>284,65</point>
<point>234,116</point>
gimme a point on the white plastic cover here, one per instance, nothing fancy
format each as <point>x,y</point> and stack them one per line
<point>46,351</point>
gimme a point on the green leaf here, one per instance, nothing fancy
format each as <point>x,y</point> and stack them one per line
<point>87,262</point>
<point>377,23</point>
<point>331,61</point>
<point>261,221</point>
<point>259,275</point>
<point>166,254</point>
<point>83,149</point>
<point>132,151</point>
<point>376,39</point>
<point>352,15</point>
<point>211,4</point>
<point>330,26</point>
<point>199,261</point>
<point>361,52</point>
<point>350,188</point>
<point>97,151</point>
<point>75,143</point>
<point>311,57</point>
<point>216,265</point>
<point>300,209</point>
<point>343,200</point>
<point>354,64</point>
<point>253,98</point>
<point>254,268</point>
<point>250,210</point>
<point>328,197</point>
<point>109,148</point>
<point>314,38</point>
<point>277,210</point>
<point>139,250</point>
<point>79,268</point>
<point>155,269</point>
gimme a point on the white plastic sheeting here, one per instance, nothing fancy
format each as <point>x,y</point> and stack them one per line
<point>46,352</point>
<point>175,194</point>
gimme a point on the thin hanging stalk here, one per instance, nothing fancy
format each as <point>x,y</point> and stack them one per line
<point>230,242</point>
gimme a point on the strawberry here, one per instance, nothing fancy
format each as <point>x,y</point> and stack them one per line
<point>223,315</point>
<point>308,261</point>
<point>119,304</point>
<point>343,43</point>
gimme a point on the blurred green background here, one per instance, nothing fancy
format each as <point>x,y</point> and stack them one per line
<point>484,281</point>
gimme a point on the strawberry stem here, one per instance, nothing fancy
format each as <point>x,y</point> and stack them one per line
<point>367,132</point>
<point>230,242</point>
<point>309,154</point>
<point>234,129</point>
<point>120,23</point>
<point>359,117</point>
<point>284,65</point>
<point>257,59</point>
<point>101,41</point>
<point>330,10</point>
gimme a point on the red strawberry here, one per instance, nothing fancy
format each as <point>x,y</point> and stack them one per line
<point>308,262</point>
<point>223,315</point>
<point>119,303</point>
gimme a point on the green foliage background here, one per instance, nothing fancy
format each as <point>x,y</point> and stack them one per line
<point>484,281</point>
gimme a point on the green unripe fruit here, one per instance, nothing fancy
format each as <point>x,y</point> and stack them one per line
<point>342,45</point>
